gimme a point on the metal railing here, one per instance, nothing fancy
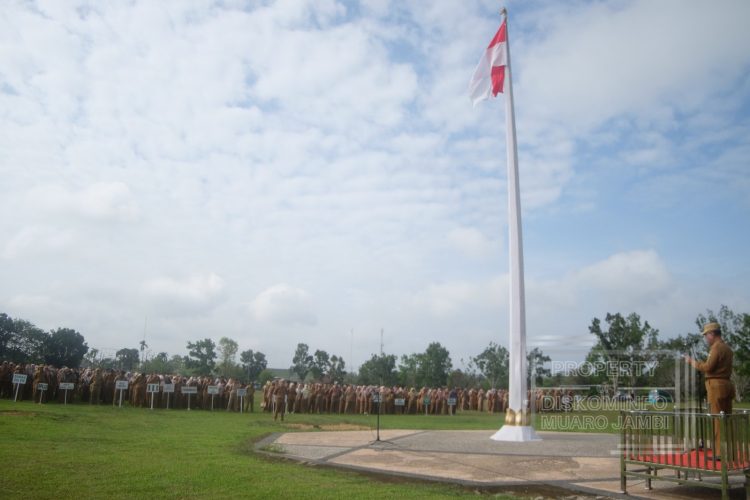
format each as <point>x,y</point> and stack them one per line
<point>688,442</point>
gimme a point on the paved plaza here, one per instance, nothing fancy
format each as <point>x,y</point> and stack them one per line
<point>562,464</point>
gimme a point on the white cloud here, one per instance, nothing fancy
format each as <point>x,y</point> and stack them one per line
<point>642,58</point>
<point>35,240</point>
<point>333,146</point>
<point>190,295</point>
<point>283,304</point>
<point>471,242</point>
<point>635,274</point>
<point>460,299</point>
<point>102,201</point>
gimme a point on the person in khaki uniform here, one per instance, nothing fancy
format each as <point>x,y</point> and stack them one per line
<point>279,400</point>
<point>718,370</point>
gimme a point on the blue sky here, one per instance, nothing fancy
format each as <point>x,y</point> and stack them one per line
<point>293,171</point>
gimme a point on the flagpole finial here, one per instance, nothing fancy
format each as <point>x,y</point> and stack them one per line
<point>504,12</point>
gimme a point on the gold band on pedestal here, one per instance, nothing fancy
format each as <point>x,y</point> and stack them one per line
<point>521,417</point>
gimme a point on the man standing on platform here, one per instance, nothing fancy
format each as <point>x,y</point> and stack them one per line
<point>718,370</point>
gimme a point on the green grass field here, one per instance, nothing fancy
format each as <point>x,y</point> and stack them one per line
<point>78,451</point>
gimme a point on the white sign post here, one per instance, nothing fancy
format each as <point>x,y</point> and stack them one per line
<point>67,386</point>
<point>168,389</point>
<point>451,405</point>
<point>213,390</point>
<point>42,388</point>
<point>189,390</point>
<point>121,385</point>
<point>18,380</point>
<point>241,393</point>
<point>152,388</point>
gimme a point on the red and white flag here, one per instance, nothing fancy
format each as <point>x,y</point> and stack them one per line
<point>489,76</point>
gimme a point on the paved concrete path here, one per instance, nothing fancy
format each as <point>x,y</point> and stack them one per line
<point>563,463</point>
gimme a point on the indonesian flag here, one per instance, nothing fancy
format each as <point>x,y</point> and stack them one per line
<point>490,73</point>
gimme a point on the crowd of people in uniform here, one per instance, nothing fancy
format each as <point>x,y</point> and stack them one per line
<point>99,386</point>
<point>281,396</point>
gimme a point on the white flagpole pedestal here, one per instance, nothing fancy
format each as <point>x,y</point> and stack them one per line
<point>517,426</point>
<point>519,433</point>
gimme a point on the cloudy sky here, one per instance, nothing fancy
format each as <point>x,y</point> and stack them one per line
<point>295,171</point>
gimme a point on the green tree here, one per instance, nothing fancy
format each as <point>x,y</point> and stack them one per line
<point>127,359</point>
<point>227,354</point>
<point>463,378</point>
<point>433,366</point>
<point>493,363</point>
<point>177,363</point>
<point>437,365</point>
<point>91,358</point>
<point>142,344</point>
<point>626,348</point>
<point>302,361</point>
<point>201,358</point>
<point>7,331</point>
<point>379,369</point>
<point>161,363</point>
<point>408,370</point>
<point>24,341</point>
<point>336,369</point>
<point>107,363</point>
<point>253,363</point>
<point>65,347</point>
<point>320,365</point>
<point>535,360</point>
<point>264,376</point>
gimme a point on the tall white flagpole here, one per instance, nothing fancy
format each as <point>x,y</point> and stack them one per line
<point>517,419</point>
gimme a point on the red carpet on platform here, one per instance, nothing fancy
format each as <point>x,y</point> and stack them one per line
<point>696,459</point>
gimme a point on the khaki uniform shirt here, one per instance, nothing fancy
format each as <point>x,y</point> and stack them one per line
<point>719,361</point>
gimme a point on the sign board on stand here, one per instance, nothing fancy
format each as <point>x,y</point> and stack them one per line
<point>451,406</point>
<point>168,389</point>
<point>42,388</point>
<point>213,390</point>
<point>241,393</point>
<point>66,386</point>
<point>189,390</point>
<point>120,385</point>
<point>18,380</point>
<point>152,389</point>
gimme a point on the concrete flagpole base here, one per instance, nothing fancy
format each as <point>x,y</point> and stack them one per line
<point>518,433</point>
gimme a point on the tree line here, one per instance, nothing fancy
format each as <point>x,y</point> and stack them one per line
<point>205,357</point>
<point>632,345</point>
<point>23,342</point>
<point>641,358</point>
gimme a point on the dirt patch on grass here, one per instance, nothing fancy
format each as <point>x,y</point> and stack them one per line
<point>301,427</point>
<point>327,427</point>
<point>344,427</point>
<point>15,413</point>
